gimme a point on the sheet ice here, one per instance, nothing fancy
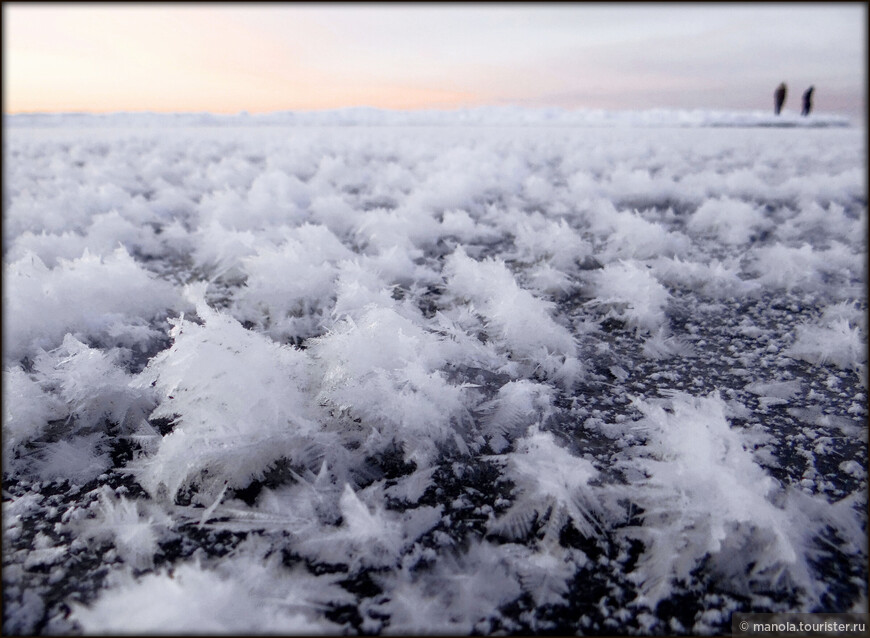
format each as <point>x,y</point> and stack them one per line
<point>488,371</point>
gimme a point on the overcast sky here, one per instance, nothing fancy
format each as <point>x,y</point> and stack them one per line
<point>225,58</point>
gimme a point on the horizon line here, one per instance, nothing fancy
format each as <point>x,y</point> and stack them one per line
<point>441,109</point>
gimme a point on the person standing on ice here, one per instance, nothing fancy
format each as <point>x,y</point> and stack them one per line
<point>808,101</point>
<point>779,98</point>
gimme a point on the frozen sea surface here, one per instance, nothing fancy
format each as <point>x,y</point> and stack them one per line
<point>432,379</point>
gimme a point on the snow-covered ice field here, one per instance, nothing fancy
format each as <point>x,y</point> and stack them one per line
<point>521,374</point>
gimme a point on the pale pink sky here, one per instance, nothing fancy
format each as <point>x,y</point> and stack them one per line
<point>225,58</point>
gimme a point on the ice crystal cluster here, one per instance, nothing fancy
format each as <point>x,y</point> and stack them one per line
<point>470,374</point>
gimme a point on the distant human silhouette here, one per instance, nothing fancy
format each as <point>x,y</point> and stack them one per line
<point>779,98</point>
<point>808,101</point>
